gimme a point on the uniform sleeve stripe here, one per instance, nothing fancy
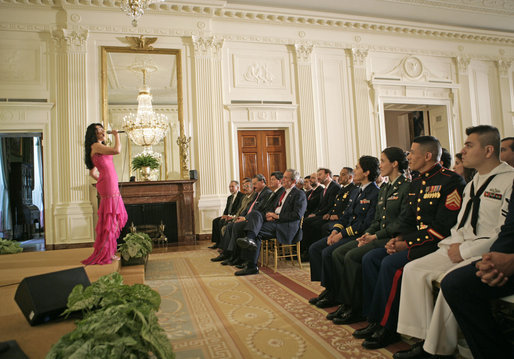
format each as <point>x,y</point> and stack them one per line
<point>340,226</point>
<point>435,234</point>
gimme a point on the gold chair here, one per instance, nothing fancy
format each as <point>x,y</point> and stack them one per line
<point>279,251</point>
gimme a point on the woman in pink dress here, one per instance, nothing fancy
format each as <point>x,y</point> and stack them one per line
<point>112,215</point>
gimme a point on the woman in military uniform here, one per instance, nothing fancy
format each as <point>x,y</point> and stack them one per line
<point>347,259</point>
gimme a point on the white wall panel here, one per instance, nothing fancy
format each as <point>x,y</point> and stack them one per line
<point>258,73</point>
<point>335,106</point>
<point>23,68</point>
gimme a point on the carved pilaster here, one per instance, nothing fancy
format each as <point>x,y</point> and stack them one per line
<point>310,156</point>
<point>212,157</point>
<point>303,52</point>
<point>462,64</point>
<point>366,122</point>
<point>71,39</point>
<point>72,211</point>
<point>207,46</point>
<point>359,56</point>
<point>503,66</point>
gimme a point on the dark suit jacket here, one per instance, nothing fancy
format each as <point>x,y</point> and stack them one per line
<point>313,199</point>
<point>327,201</point>
<point>260,201</point>
<point>290,216</point>
<point>360,212</point>
<point>235,205</point>
<point>272,201</point>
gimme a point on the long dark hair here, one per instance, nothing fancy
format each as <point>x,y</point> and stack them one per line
<point>88,142</point>
<point>468,172</point>
<point>398,155</point>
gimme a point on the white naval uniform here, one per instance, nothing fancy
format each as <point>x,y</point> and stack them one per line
<point>418,317</point>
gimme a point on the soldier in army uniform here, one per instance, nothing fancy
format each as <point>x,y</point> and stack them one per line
<point>356,218</point>
<point>347,259</point>
<point>435,197</point>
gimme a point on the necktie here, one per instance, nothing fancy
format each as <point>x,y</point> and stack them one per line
<point>310,195</point>
<point>474,202</point>
<point>325,190</point>
<point>253,204</point>
<point>231,203</point>
<point>280,199</point>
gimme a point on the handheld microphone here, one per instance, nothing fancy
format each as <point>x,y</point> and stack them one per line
<point>110,132</point>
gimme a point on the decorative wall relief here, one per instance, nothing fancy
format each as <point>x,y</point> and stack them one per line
<point>412,68</point>
<point>259,73</point>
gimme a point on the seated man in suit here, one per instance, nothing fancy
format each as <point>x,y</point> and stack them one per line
<point>246,202</point>
<point>357,216</point>
<point>313,222</point>
<point>335,214</point>
<point>237,231</point>
<point>262,193</point>
<point>314,195</point>
<point>231,207</point>
<point>282,223</point>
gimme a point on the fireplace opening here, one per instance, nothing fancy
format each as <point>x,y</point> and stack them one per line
<point>148,214</point>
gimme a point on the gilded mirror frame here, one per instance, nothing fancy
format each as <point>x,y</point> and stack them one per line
<point>182,140</point>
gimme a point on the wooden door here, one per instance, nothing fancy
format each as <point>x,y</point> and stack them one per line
<point>261,151</point>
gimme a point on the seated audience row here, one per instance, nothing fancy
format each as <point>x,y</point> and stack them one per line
<point>377,252</point>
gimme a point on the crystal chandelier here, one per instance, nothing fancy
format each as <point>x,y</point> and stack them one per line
<point>146,128</point>
<point>136,8</point>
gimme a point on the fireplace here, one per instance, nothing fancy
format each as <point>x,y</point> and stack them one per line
<point>153,214</point>
<point>172,202</point>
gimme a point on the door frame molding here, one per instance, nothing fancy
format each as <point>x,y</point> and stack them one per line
<point>382,100</point>
<point>263,117</point>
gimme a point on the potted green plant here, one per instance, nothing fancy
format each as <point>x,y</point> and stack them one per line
<point>119,321</point>
<point>135,248</point>
<point>9,247</point>
<point>145,162</point>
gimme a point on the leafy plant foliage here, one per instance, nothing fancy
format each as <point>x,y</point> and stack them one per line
<point>135,245</point>
<point>146,160</point>
<point>119,322</point>
<point>9,247</point>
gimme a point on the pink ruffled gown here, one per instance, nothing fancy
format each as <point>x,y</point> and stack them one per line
<point>112,215</point>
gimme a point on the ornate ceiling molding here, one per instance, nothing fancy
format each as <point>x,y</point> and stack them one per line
<point>345,23</point>
<point>500,7</point>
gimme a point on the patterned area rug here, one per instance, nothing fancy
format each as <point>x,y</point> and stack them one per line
<point>208,312</point>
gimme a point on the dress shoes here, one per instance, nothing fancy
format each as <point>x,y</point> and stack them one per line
<point>247,243</point>
<point>226,262</point>
<point>219,258</point>
<point>366,332</point>
<point>417,352</point>
<point>319,297</point>
<point>338,312</point>
<point>348,317</point>
<point>247,271</point>
<point>214,246</point>
<point>241,266</point>
<point>381,338</point>
<point>326,303</point>
<point>236,261</point>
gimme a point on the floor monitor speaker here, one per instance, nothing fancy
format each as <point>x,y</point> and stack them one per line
<point>42,298</point>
